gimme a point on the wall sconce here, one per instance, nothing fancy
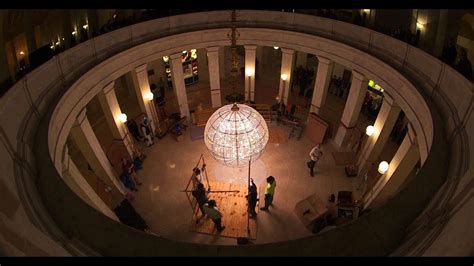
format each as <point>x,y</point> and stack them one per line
<point>383,167</point>
<point>52,47</point>
<point>57,43</point>
<point>22,53</point>
<point>85,26</point>
<point>370,130</point>
<point>249,72</point>
<point>419,26</point>
<point>149,96</point>
<point>74,33</point>
<point>122,117</point>
<point>275,47</point>
<point>366,11</point>
<point>284,77</point>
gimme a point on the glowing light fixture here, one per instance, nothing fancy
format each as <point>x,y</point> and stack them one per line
<point>85,26</point>
<point>249,72</point>
<point>284,76</point>
<point>149,96</point>
<point>122,117</point>
<point>370,130</point>
<point>383,167</point>
<point>275,47</point>
<point>236,134</point>
<point>74,33</point>
<point>420,25</point>
<point>22,53</point>
<point>366,10</point>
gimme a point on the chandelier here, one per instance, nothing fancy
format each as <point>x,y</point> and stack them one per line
<point>236,134</point>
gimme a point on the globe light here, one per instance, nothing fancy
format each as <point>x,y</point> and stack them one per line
<point>122,117</point>
<point>236,134</point>
<point>149,96</point>
<point>369,130</point>
<point>383,167</point>
<point>284,77</point>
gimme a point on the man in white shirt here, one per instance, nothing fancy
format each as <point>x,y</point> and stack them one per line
<point>315,154</point>
<point>213,212</point>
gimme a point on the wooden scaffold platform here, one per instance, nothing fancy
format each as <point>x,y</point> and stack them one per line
<point>231,201</point>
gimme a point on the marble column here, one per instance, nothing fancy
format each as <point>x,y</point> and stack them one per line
<point>384,124</point>
<point>286,69</point>
<point>321,85</point>
<point>74,179</point>
<point>352,108</point>
<point>89,146</point>
<point>142,89</point>
<point>203,63</point>
<point>250,70</point>
<point>214,76</point>
<point>111,108</point>
<point>400,167</point>
<point>178,84</point>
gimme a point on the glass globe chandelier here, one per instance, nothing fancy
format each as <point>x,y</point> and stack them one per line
<point>236,134</point>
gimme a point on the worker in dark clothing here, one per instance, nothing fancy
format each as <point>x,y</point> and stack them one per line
<point>252,199</point>
<point>201,197</point>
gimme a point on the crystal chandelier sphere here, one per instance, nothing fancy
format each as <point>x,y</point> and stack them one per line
<point>236,134</point>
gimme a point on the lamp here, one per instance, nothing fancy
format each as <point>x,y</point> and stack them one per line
<point>22,53</point>
<point>122,117</point>
<point>236,135</point>
<point>85,26</point>
<point>284,77</point>
<point>275,47</point>
<point>370,130</point>
<point>249,73</point>
<point>149,96</point>
<point>383,167</point>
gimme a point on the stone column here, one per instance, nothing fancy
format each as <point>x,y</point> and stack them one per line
<point>111,108</point>
<point>178,84</point>
<point>384,123</point>
<point>399,168</point>
<point>142,89</point>
<point>352,108</point>
<point>321,84</point>
<point>286,68</point>
<point>214,77</point>
<point>250,56</point>
<point>89,146</point>
<point>203,64</point>
<point>74,179</point>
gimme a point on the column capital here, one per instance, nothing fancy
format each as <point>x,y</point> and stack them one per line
<point>358,76</point>
<point>213,49</point>
<point>250,47</point>
<point>287,51</point>
<point>176,56</point>
<point>324,60</point>
<point>81,117</point>
<point>141,68</point>
<point>109,87</point>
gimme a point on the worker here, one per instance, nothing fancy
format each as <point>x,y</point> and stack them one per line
<point>200,195</point>
<point>252,199</point>
<point>211,210</point>
<point>315,154</point>
<point>269,192</point>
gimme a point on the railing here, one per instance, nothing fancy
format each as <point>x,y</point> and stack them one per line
<point>33,99</point>
<point>155,14</point>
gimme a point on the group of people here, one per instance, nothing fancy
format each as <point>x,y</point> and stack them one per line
<point>449,56</point>
<point>339,86</point>
<point>129,176</point>
<point>146,130</point>
<point>303,78</point>
<point>209,207</point>
<point>371,105</point>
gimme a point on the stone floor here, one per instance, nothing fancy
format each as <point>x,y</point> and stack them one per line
<point>169,166</point>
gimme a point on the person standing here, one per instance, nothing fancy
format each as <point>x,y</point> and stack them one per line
<point>200,195</point>
<point>252,199</point>
<point>146,132</point>
<point>269,192</point>
<point>211,210</point>
<point>315,154</point>
<point>129,168</point>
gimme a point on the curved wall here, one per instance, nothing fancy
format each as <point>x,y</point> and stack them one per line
<point>26,170</point>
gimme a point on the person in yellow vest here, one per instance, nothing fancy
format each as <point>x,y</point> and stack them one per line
<point>213,212</point>
<point>269,192</point>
